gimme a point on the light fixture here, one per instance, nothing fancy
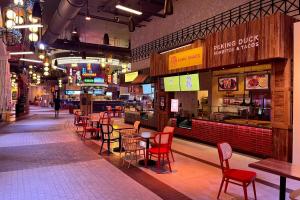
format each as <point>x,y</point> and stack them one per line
<point>10,14</point>
<point>36,9</point>
<point>175,49</point>
<point>41,56</point>
<point>54,67</point>
<point>21,53</point>
<point>87,17</point>
<point>30,60</point>
<point>30,72</point>
<point>19,2</point>
<point>19,20</point>
<point>34,74</point>
<point>131,24</point>
<point>32,19</point>
<point>46,64</point>
<point>74,31</point>
<point>46,69</point>
<point>30,66</point>
<point>33,37</point>
<point>28,26</point>
<point>34,29</point>
<point>10,24</point>
<point>41,46</point>
<point>168,8</point>
<point>73,65</point>
<point>130,10</point>
<point>46,73</point>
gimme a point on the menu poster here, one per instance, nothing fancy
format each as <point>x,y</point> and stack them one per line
<point>228,83</point>
<point>257,82</point>
<point>174,105</point>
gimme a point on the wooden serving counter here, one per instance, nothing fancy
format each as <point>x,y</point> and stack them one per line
<point>249,139</point>
<point>147,119</point>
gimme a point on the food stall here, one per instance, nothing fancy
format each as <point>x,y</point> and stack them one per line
<point>232,86</point>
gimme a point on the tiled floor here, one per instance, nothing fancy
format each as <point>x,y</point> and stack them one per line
<point>43,158</point>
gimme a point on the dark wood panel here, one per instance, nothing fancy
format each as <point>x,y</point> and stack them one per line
<point>268,38</point>
<point>159,63</point>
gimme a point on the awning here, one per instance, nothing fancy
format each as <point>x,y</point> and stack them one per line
<point>141,78</point>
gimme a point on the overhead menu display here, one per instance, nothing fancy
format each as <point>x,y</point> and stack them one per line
<point>188,58</point>
<point>189,82</point>
<point>172,84</point>
<point>129,77</point>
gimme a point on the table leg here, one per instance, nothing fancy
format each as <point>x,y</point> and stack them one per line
<point>282,188</point>
<point>147,152</point>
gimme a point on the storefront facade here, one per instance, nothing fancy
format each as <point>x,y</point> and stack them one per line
<point>260,49</point>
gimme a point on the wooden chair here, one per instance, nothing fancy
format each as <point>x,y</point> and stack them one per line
<point>161,148</point>
<point>170,129</point>
<point>77,119</point>
<point>109,110</point>
<point>107,136</point>
<point>131,145</point>
<point>87,128</point>
<point>118,111</point>
<point>238,177</point>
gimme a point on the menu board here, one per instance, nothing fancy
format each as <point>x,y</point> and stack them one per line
<point>228,83</point>
<point>174,105</point>
<point>257,82</point>
<point>129,77</point>
<point>189,82</point>
<point>171,84</point>
<point>72,92</point>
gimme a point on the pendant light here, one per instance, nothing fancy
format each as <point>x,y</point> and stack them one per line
<point>87,17</point>
<point>37,10</point>
<point>168,8</point>
<point>131,24</point>
<point>106,39</point>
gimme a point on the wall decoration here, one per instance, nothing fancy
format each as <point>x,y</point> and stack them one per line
<point>228,83</point>
<point>257,82</point>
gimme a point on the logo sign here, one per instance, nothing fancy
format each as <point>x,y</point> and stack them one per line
<point>237,45</point>
<point>98,80</point>
<point>89,80</point>
<point>89,74</point>
<point>186,58</point>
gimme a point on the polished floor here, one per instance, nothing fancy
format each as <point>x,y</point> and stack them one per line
<point>43,158</point>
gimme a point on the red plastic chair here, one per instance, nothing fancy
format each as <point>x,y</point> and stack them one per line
<point>238,177</point>
<point>170,129</point>
<point>88,128</point>
<point>162,143</point>
<point>77,119</point>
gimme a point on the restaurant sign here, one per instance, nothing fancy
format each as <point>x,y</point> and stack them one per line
<point>237,45</point>
<point>188,58</point>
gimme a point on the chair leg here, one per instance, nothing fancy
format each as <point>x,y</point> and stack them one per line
<point>254,189</point>
<point>169,162</point>
<point>131,158</point>
<point>158,162</point>
<point>108,147</point>
<point>172,155</point>
<point>226,185</point>
<point>221,186</point>
<point>245,191</point>
<point>101,147</point>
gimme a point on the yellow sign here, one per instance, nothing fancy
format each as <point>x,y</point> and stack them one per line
<point>129,77</point>
<point>186,58</point>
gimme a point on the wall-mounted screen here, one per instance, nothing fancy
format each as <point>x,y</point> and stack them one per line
<point>174,105</point>
<point>171,84</point>
<point>72,92</point>
<point>147,89</point>
<point>257,82</point>
<point>189,82</point>
<point>129,77</point>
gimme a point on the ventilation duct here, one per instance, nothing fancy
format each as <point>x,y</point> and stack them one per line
<point>67,10</point>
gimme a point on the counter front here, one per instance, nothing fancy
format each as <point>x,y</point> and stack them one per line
<point>252,140</point>
<point>147,119</point>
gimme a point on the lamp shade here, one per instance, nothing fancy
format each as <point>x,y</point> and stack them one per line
<point>37,10</point>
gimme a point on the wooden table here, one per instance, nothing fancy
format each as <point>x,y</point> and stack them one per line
<point>119,128</point>
<point>280,168</point>
<point>147,136</point>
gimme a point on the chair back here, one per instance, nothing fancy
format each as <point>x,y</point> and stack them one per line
<point>169,129</point>
<point>163,140</point>
<point>225,153</point>
<point>130,142</point>
<point>137,126</point>
<point>108,108</point>
<point>105,119</point>
<point>118,108</point>
<point>106,131</point>
<point>101,115</point>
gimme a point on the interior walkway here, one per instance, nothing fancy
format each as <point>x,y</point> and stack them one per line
<point>43,158</point>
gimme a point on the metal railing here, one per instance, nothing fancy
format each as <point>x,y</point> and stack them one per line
<point>246,12</point>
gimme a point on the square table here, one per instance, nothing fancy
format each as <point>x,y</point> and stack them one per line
<point>280,168</point>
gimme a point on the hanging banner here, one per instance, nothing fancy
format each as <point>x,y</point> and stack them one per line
<point>186,58</point>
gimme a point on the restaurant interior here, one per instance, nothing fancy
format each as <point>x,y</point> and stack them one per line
<point>149,99</point>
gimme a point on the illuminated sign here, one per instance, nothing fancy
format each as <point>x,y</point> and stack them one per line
<point>115,78</point>
<point>88,80</point>
<point>109,78</point>
<point>129,77</point>
<point>186,58</point>
<point>98,80</point>
<point>72,92</point>
<point>89,74</point>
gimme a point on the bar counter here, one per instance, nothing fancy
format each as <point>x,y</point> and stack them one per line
<point>100,106</point>
<point>146,118</point>
<point>244,138</point>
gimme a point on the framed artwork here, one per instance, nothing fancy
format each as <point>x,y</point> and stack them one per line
<point>257,82</point>
<point>228,83</point>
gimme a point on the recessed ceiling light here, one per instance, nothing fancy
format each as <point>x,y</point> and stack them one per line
<point>124,8</point>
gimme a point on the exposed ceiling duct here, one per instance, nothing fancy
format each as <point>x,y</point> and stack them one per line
<point>67,10</point>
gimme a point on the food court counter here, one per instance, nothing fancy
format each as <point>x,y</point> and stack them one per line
<point>99,106</point>
<point>146,118</point>
<point>244,138</point>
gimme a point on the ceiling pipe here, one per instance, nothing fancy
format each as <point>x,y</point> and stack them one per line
<point>67,10</point>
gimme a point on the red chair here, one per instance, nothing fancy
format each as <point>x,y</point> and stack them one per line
<point>162,143</point>
<point>88,128</point>
<point>118,111</point>
<point>109,110</point>
<point>238,177</point>
<point>170,129</point>
<point>77,119</point>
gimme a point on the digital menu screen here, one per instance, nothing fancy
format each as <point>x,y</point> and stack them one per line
<point>189,82</point>
<point>171,84</point>
<point>147,89</point>
<point>72,92</point>
<point>129,77</point>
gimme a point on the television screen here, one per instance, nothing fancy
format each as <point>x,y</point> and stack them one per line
<point>171,84</point>
<point>189,82</point>
<point>147,89</point>
<point>109,94</point>
<point>129,77</point>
